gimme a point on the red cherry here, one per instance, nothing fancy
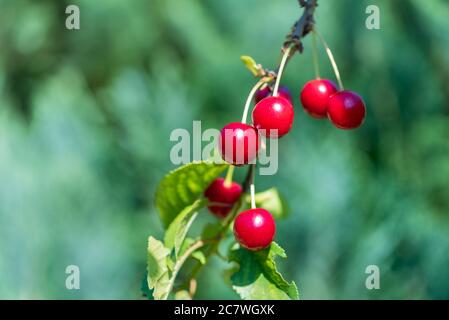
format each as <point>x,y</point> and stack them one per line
<point>220,192</point>
<point>273,113</point>
<point>315,95</point>
<point>239,143</point>
<point>254,229</point>
<point>283,92</point>
<point>346,110</point>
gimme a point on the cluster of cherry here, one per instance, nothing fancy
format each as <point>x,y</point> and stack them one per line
<point>272,117</point>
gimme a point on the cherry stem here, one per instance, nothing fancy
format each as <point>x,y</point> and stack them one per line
<point>253,196</point>
<point>229,174</point>
<point>331,58</point>
<point>179,263</point>
<point>250,98</point>
<point>281,70</point>
<point>315,57</point>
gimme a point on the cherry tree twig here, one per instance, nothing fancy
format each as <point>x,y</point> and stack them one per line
<point>293,43</point>
<point>302,27</point>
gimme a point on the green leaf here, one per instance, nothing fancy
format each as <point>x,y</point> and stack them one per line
<point>252,65</point>
<point>257,278</point>
<point>177,231</point>
<point>158,276</point>
<point>199,255</point>
<point>272,201</point>
<point>183,186</point>
<point>269,267</point>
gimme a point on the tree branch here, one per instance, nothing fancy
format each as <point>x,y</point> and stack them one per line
<point>301,27</point>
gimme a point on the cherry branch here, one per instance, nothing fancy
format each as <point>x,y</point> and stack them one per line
<point>302,27</point>
<point>293,43</point>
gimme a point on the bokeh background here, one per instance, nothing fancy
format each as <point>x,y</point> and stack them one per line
<point>85,119</point>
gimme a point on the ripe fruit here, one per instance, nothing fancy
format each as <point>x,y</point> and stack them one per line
<point>220,192</point>
<point>273,113</point>
<point>239,143</point>
<point>254,229</point>
<point>283,92</point>
<point>315,96</point>
<point>346,110</point>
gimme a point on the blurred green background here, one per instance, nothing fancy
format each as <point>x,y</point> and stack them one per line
<point>85,119</point>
